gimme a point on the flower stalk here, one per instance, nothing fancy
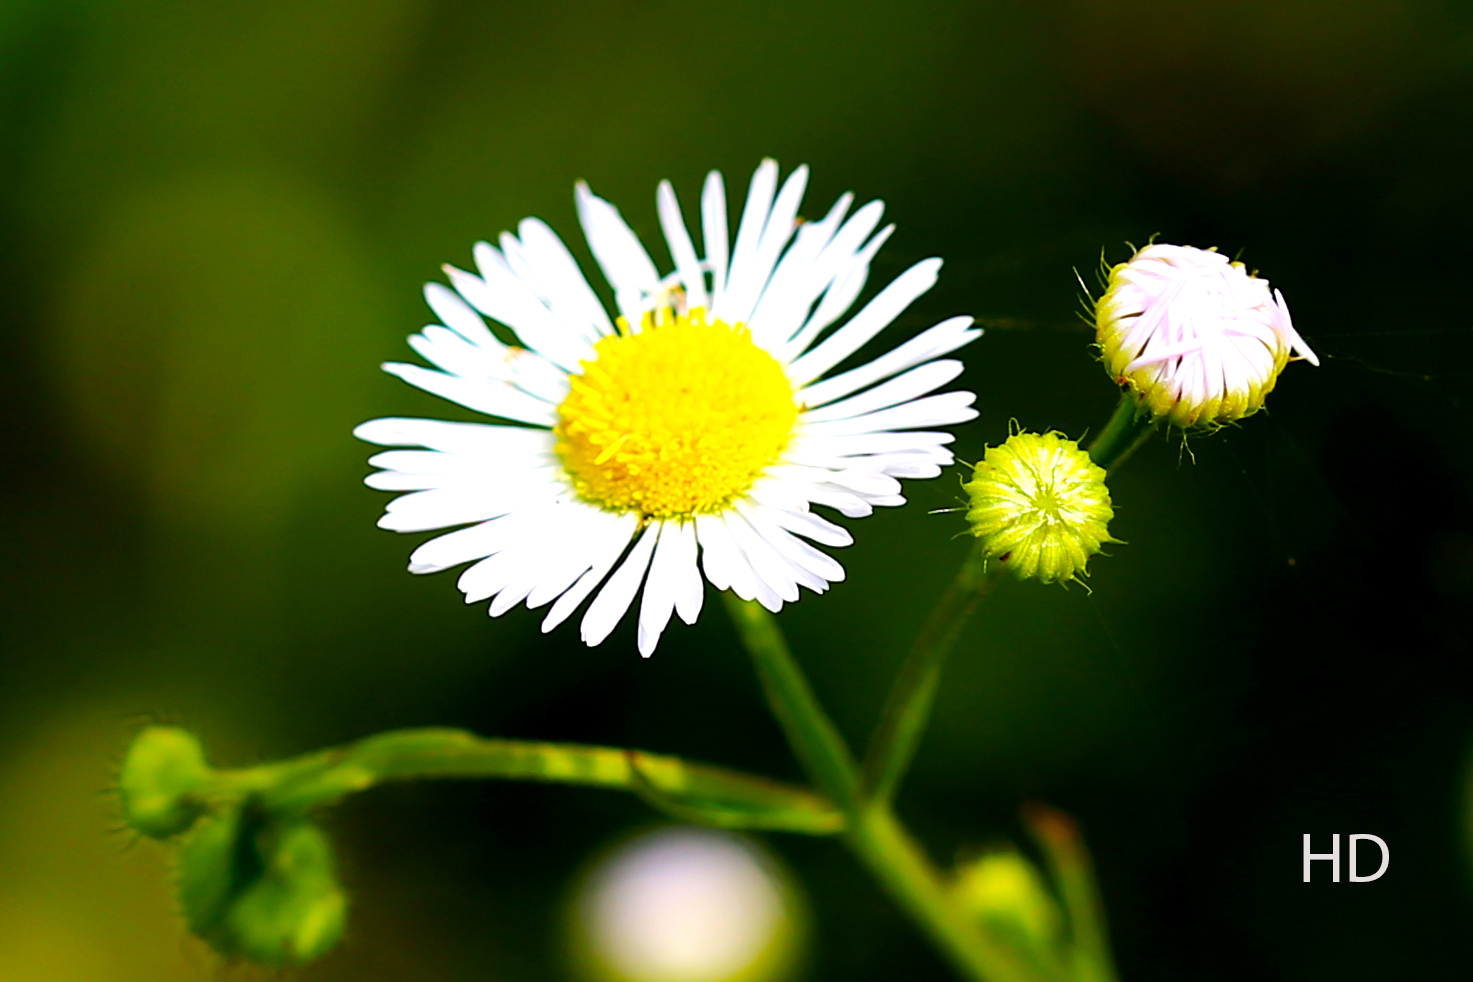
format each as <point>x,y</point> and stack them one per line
<point>293,788</point>
<point>908,707</point>
<point>1129,428</point>
<point>815,740</point>
<point>872,831</point>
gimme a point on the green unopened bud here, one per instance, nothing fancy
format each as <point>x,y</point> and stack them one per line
<point>259,890</point>
<point>1198,338</point>
<point>1040,506</point>
<point>161,781</point>
<point>1005,890</point>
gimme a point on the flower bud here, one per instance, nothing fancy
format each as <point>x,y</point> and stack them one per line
<point>1005,890</point>
<point>1197,337</point>
<point>1039,504</point>
<point>161,780</point>
<point>261,890</point>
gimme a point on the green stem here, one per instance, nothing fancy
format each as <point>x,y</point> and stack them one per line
<point>873,832</point>
<point>1068,860</point>
<point>1126,431</point>
<point>887,849</point>
<point>908,707</point>
<point>814,738</point>
<point>302,783</point>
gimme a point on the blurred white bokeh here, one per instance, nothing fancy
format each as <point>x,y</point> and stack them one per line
<point>686,904</point>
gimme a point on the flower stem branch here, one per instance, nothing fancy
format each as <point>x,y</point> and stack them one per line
<point>895,740</point>
<point>294,787</point>
<point>1128,429</point>
<point>873,832</point>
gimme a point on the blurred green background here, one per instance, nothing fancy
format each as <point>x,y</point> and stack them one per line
<point>215,220</point>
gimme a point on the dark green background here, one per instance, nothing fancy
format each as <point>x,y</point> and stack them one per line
<point>214,223</point>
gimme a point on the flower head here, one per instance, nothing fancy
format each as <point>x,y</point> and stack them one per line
<point>691,433</point>
<point>1199,338</point>
<point>1040,506</point>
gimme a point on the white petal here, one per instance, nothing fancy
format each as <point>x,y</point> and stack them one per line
<point>604,552</point>
<point>876,314</point>
<point>778,493</point>
<point>851,445</point>
<point>623,260</point>
<point>935,341</point>
<point>478,541</point>
<point>569,295</point>
<point>487,396</point>
<point>922,472</point>
<point>722,560</point>
<point>618,593</point>
<point>422,511</point>
<point>681,248</point>
<point>458,438</point>
<point>845,280</point>
<point>797,282</point>
<point>713,232</point>
<point>846,503</point>
<point>769,566</point>
<point>749,278</point>
<point>811,526</point>
<point>859,478</point>
<point>578,550</point>
<point>457,315</point>
<point>940,410</point>
<point>660,589</point>
<point>1155,354</point>
<point>513,594</point>
<point>691,591</point>
<point>790,547</point>
<point>500,294</point>
<point>749,235</point>
<point>525,369</point>
<point>532,564</point>
<point>913,384</point>
<point>495,478</point>
<point>488,577</point>
<point>1287,323</point>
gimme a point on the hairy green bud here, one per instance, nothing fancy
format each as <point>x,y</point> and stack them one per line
<point>261,890</point>
<point>1005,890</point>
<point>1040,506</point>
<point>162,780</point>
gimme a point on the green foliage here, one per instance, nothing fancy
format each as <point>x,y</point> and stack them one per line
<point>260,889</point>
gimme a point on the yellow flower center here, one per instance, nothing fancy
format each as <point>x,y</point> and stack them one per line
<point>675,420</point>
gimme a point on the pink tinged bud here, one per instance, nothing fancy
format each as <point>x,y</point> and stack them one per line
<point>1198,338</point>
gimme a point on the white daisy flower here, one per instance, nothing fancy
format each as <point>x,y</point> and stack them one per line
<point>691,434</point>
<point>1200,339</point>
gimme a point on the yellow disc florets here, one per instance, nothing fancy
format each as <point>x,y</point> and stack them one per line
<point>676,419</point>
<point>1040,505</point>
